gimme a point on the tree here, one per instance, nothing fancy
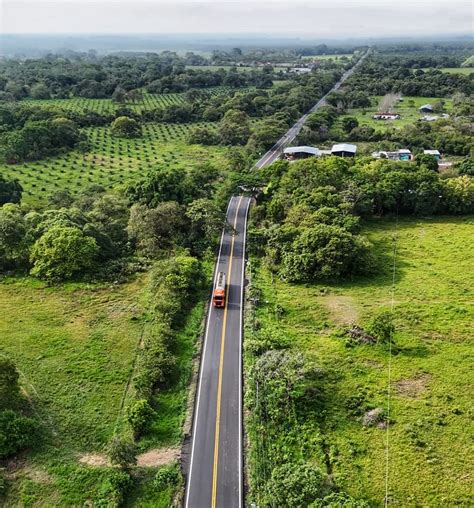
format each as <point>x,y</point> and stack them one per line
<point>126,127</point>
<point>13,245</point>
<point>427,160</point>
<point>40,91</point>
<point>10,191</point>
<point>63,252</point>
<point>234,128</point>
<point>119,95</point>
<point>156,229</point>
<point>459,194</point>
<point>324,251</point>
<point>202,136</point>
<point>206,222</point>
<point>349,123</point>
<point>466,166</point>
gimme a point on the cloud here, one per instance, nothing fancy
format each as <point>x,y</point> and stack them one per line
<point>317,18</point>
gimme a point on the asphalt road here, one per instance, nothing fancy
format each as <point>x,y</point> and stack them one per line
<point>274,153</point>
<point>215,467</point>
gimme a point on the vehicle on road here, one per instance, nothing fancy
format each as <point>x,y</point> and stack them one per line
<point>218,296</point>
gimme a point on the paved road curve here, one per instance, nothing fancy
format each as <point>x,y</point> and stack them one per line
<point>274,152</point>
<point>215,468</point>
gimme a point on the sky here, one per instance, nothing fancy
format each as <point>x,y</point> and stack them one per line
<point>316,18</point>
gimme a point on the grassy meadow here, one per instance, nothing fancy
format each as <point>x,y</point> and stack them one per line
<point>453,70</point>
<point>408,110</point>
<point>430,451</point>
<point>74,346</point>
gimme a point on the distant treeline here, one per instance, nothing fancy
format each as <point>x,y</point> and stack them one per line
<point>98,78</point>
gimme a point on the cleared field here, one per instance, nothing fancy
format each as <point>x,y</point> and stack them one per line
<point>430,455</point>
<point>408,110</point>
<point>454,70</point>
<point>111,161</point>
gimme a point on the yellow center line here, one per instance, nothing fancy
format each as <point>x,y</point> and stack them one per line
<point>221,365</point>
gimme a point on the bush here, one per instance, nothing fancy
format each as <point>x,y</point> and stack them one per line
<point>339,500</point>
<point>9,386</point>
<point>113,489</point>
<point>167,476</point>
<point>295,485</point>
<point>139,416</point>
<point>16,432</point>
<point>122,453</point>
<point>381,327</point>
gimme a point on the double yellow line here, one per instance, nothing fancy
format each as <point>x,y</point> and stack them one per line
<point>221,365</point>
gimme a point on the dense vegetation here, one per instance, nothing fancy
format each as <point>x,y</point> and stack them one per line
<point>308,217</point>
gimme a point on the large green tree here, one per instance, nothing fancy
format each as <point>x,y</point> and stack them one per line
<point>63,252</point>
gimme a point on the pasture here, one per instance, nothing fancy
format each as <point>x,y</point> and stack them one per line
<point>408,110</point>
<point>431,364</point>
<point>453,70</point>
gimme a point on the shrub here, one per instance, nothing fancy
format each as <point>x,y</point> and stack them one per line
<point>16,432</point>
<point>381,327</point>
<point>113,489</point>
<point>9,387</point>
<point>122,453</point>
<point>296,485</point>
<point>167,476</point>
<point>139,416</point>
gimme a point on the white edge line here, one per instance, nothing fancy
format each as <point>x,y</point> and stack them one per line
<point>204,349</point>
<point>241,429</point>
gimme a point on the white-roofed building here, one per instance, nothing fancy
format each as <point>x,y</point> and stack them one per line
<point>344,150</point>
<point>300,152</point>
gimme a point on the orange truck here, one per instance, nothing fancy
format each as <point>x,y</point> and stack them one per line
<point>218,295</point>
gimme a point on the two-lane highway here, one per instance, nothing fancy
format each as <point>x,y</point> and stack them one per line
<point>215,468</point>
<point>214,473</point>
<point>274,152</point>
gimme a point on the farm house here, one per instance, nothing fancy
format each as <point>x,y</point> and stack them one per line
<point>399,155</point>
<point>386,116</point>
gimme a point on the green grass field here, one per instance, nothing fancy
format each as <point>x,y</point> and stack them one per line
<point>430,452</point>
<point>408,110</point>
<point>75,345</point>
<point>454,70</point>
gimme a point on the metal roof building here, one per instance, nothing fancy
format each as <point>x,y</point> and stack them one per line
<point>292,150</point>
<point>344,150</point>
